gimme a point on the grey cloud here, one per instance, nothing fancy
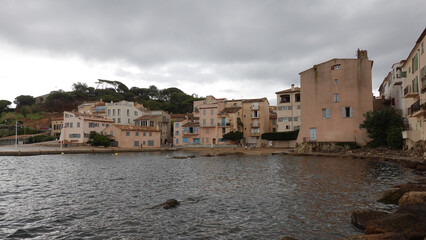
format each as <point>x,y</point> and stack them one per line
<point>265,40</point>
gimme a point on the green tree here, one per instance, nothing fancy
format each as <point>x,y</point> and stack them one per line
<point>24,100</point>
<point>57,100</point>
<point>4,106</point>
<point>80,90</point>
<point>101,140</point>
<point>384,127</point>
<point>233,136</point>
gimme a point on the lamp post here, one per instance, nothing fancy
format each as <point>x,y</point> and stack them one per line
<point>16,134</point>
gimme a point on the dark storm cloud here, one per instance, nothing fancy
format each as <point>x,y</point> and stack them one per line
<point>261,40</point>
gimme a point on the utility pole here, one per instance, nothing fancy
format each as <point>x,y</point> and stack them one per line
<point>16,133</point>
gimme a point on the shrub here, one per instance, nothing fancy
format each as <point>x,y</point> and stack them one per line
<point>394,138</point>
<point>281,136</point>
<point>40,138</point>
<point>233,136</point>
<point>101,140</point>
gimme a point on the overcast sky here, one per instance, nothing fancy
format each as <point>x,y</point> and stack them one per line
<point>231,49</point>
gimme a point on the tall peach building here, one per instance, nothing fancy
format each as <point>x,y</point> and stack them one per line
<point>336,95</point>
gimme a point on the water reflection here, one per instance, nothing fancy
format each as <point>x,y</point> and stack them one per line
<point>232,197</point>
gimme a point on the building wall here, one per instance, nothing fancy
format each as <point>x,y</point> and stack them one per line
<point>255,126</point>
<point>208,122</point>
<point>140,138</point>
<point>123,112</point>
<point>353,86</point>
<point>413,85</point>
<point>77,128</point>
<point>56,127</point>
<point>288,113</point>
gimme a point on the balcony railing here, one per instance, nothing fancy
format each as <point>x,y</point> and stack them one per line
<point>255,116</point>
<point>424,82</point>
<point>410,92</point>
<point>255,125</point>
<point>254,107</point>
<point>414,108</point>
<point>255,134</point>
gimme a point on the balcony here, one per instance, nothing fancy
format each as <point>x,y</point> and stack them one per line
<point>410,92</point>
<point>255,134</point>
<point>255,116</point>
<point>255,125</point>
<point>415,110</point>
<point>190,133</point>
<point>223,125</point>
<point>255,107</point>
<point>423,83</point>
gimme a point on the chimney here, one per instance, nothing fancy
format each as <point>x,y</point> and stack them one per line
<point>362,54</point>
<point>292,87</point>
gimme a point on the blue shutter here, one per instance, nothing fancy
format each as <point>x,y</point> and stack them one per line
<point>327,113</point>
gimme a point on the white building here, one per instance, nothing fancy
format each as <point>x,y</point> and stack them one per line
<point>123,112</point>
<point>77,126</point>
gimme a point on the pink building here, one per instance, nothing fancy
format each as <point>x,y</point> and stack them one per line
<point>77,126</point>
<point>336,95</point>
<point>186,131</point>
<point>128,136</point>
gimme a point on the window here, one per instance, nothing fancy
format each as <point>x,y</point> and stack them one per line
<point>70,125</point>
<point>204,122</point>
<point>144,134</point>
<point>144,123</point>
<point>128,120</point>
<point>150,134</point>
<point>255,105</point>
<point>347,112</point>
<point>255,114</point>
<point>75,135</point>
<point>296,119</point>
<point>136,134</point>
<point>150,142</point>
<point>285,119</point>
<point>177,124</point>
<point>185,140</point>
<point>285,108</point>
<point>287,127</point>
<point>177,140</point>
<point>127,133</point>
<point>274,122</point>
<point>298,97</point>
<point>204,111</point>
<point>326,113</point>
<point>212,111</point>
<point>177,133</point>
<point>223,130</point>
<point>285,98</point>
<point>118,112</point>
<point>109,112</point>
<point>207,131</point>
<point>336,97</point>
<point>136,143</point>
<point>207,140</point>
<point>113,112</point>
<point>336,82</point>
<point>136,113</point>
<point>119,120</point>
<point>335,67</point>
<point>78,124</point>
<point>151,123</point>
<point>128,112</point>
<point>111,133</point>
<point>211,122</point>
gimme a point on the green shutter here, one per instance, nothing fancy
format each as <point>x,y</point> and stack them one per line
<point>404,74</point>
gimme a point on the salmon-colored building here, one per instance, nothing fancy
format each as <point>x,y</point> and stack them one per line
<point>129,136</point>
<point>336,94</point>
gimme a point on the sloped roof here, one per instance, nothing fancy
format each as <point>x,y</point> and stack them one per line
<point>230,110</point>
<point>135,128</point>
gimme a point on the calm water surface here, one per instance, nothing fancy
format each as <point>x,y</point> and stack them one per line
<point>232,197</point>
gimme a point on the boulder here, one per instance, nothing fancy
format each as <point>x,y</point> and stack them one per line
<point>408,222</point>
<point>171,203</point>
<point>361,217</point>
<point>381,236</point>
<point>391,196</point>
<point>412,197</point>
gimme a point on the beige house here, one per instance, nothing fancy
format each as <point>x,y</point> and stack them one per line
<point>92,107</point>
<point>288,109</point>
<point>77,126</point>
<point>128,136</point>
<point>160,120</point>
<point>123,112</point>
<point>415,92</point>
<point>255,119</point>
<point>336,95</point>
<point>186,131</point>
<point>56,128</point>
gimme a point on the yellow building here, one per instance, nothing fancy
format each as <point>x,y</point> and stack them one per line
<point>288,109</point>
<point>414,92</point>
